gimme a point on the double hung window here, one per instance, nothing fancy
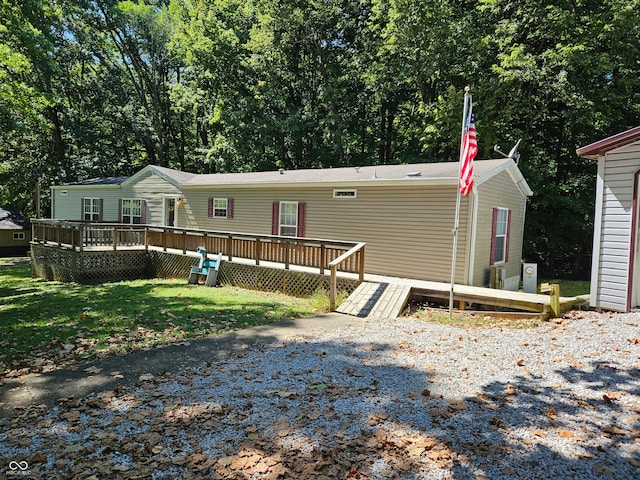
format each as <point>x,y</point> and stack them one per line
<point>132,211</point>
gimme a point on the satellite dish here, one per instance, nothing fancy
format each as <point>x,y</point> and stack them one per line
<point>514,152</point>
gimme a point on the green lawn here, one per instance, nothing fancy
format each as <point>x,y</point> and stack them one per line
<point>46,325</point>
<point>571,288</point>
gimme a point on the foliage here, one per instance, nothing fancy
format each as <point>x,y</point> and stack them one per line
<point>46,325</point>
<point>105,87</point>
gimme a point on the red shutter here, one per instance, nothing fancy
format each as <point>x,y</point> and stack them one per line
<point>210,208</point>
<point>82,209</point>
<point>229,207</point>
<point>101,208</point>
<point>275,218</point>
<point>494,222</point>
<point>120,210</point>
<point>143,212</point>
<point>302,216</point>
<point>506,241</point>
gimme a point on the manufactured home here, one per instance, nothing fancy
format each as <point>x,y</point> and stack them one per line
<point>615,269</point>
<point>15,232</point>
<point>404,213</point>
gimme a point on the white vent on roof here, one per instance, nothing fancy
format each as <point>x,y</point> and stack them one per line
<point>414,174</point>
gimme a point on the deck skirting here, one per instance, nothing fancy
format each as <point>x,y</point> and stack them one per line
<point>51,262</point>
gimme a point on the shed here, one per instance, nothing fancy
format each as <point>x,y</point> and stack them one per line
<point>15,231</point>
<point>405,213</point>
<point>615,269</point>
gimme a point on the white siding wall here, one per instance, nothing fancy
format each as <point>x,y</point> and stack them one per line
<point>69,206</point>
<point>153,189</point>
<point>614,232</point>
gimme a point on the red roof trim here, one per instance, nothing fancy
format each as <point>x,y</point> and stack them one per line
<point>601,147</point>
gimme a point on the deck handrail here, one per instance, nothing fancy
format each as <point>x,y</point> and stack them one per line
<point>302,251</point>
<point>358,252</point>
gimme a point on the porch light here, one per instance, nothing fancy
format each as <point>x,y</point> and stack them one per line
<point>180,202</point>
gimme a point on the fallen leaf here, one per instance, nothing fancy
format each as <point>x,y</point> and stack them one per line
<point>613,430</point>
<point>93,370</point>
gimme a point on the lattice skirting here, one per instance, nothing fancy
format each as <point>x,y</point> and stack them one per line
<point>65,265</point>
<point>297,284</point>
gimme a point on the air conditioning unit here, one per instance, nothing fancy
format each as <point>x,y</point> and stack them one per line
<point>497,277</point>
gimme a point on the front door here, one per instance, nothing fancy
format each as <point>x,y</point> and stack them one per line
<point>170,212</point>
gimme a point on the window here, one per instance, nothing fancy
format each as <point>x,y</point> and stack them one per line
<point>500,235</point>
<point>132,211</point>
<point>91,209</point>
<point>345,193</point>
<point>288,219</point>
<point>18,235</point>
<point>220,208</point>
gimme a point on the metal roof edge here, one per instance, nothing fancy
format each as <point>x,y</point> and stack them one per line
<point>597,149</point>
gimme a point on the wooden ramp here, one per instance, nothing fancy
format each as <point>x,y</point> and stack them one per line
<point>376,300</point>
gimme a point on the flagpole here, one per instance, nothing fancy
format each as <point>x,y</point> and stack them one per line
<point>467,98</point>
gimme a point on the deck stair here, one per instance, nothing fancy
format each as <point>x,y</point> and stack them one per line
<point>376,300</point>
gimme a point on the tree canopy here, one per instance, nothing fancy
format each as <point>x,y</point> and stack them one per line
<point>93,88</point>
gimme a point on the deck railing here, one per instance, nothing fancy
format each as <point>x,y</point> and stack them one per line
<point>307,252</point>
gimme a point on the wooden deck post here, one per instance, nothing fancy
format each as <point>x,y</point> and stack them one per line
<point>230,247</point>
<point>258,251</point>
<point>361,266</point>
<point>555,299</point>
<point>286,254</point>
<point>323,255</point>
<point>333,287</point>
<point>115,238</point>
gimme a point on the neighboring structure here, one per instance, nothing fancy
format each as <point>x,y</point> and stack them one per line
<point>15,232</point>
<point>615,269</point>
<point>405,213</point>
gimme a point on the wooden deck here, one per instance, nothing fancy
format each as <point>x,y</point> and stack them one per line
<point>384,297</point>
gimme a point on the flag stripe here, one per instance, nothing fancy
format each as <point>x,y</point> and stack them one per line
<point>469,152</point>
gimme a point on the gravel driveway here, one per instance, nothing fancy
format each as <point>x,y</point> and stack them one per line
<point>404,399</point>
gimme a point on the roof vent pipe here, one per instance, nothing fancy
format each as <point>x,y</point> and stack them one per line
<point>281,171</point>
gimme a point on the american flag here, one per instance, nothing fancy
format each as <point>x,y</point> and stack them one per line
<point>469,152</point>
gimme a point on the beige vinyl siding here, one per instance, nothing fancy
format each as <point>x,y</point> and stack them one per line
<point>499,191</point>
<point>615,230</point>
<point>407,228</point>
<point>153,189</point>
<point>8,242</point>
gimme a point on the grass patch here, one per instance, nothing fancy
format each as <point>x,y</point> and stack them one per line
<point>47,325</point>
<point>570,288</point>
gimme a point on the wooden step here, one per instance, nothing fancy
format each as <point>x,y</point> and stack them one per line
<point>376,300</point>
<point>391,302</point>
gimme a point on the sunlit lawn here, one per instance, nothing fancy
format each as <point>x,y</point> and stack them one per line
<point>44,325</point>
